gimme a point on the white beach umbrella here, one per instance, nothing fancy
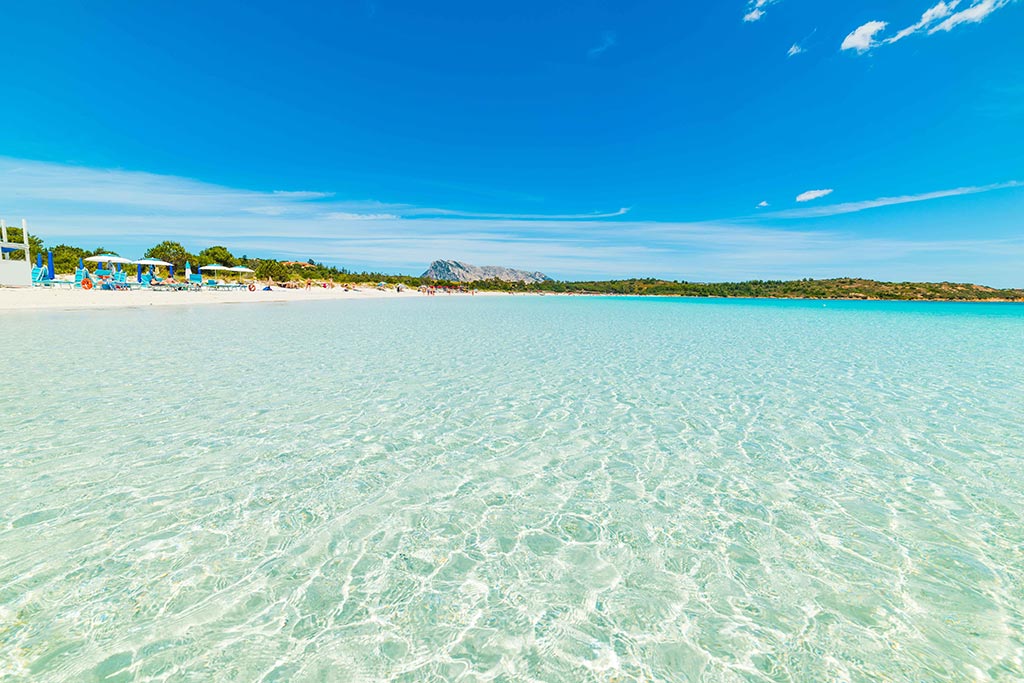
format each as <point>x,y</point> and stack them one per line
<point>214,266</point>
<point>108,258</point>
<point>151,262</point>
<point>240,270</point>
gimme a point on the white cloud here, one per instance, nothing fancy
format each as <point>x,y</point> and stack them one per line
<point>128,212</point>
<point>516,216</point>
<point>289,194</point>
<point>972,15</point>
<point>755,9</point>
<point>853,207</point>
<point>795,50</point>
<point>930,16</point>
<point>763,205</point>
<point>811,195</point>
<point>347,216</point>
<point>939,17</point>
<point>863,38</point>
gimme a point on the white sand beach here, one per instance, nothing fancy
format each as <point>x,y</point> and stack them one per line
<point>46,298</point>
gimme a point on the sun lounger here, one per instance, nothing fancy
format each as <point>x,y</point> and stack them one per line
<point>80,274</point>
<point>39,279</point>
<point>109,280</point>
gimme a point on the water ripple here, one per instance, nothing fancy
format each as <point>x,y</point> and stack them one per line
<point>514,489</point>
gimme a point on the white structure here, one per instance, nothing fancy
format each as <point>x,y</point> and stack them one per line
<point>15,273</point>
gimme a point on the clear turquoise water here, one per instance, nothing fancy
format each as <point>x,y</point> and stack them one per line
<point>544,489</point>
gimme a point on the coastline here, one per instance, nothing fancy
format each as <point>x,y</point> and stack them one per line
<point>39,299</point>
<point>35,298</point>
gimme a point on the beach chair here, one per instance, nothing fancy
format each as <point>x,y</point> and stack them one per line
<point>80,274</point>
<point>107,280</point>
<point>39,278</point>
<point>195,281</point>
<point>159,284</point>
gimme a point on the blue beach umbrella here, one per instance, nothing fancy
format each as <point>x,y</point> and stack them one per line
<point>170,271</point>
<point>39,260</point>
<point>80,264</point>
<point>50,272</point>
<point>138,273</point>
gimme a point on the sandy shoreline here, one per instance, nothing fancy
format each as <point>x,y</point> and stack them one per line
<point>37,298</point>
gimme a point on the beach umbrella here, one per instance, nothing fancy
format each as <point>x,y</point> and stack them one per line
<point>50,272</point>
<point>188,269</point>
<point>152,263</point>
<point>170,271</point>
<point>240,270</point>
<point>39,260</point>
<point>138,273</point>
<point>80,264</point>
<point>108,258</point>
<point>214,267</point>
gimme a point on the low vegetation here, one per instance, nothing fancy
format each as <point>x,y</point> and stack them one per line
<point>66,257</point>
<point>839,288</point>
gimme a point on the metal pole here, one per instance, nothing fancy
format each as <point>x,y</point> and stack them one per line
<point>24,238</point>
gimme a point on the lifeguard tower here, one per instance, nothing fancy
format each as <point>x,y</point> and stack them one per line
<point>14,273</point>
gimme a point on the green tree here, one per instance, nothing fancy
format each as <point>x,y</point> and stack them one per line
<point>272,270</point>
<point>217,254</point>
<point>35,244</point>
<point>172,252</point>
<point>65,258</point>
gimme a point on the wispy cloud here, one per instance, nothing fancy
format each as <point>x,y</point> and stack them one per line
<point>121,191</point>
<point>517,216</point>
<point>940,17</point>
<point>288,194</point>
<point>798,48</point>
<point>763,205</point>
<point>346,216</point>
<point>972,15</point>
<point>129,211</point>
<point>608,41</point>
<point>756,9</point>
<point>811,195</point>
<point>854,207</point>
<point>862,38</point>
<point>931,15</point>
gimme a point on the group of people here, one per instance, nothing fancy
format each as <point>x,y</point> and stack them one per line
<point>433,290</point>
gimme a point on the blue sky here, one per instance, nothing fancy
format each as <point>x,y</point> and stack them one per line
<point>586,139</point>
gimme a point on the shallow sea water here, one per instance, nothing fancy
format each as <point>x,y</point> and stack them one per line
<point>513,489</point>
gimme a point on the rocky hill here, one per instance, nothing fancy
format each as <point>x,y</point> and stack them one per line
<point>456,271</point>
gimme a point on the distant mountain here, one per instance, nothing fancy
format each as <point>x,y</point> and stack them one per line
<point>456,271</point>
